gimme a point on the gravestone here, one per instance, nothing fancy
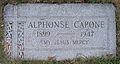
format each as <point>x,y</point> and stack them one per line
<point>60,31</point>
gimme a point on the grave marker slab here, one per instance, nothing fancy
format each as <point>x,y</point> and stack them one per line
<point>62,31</point>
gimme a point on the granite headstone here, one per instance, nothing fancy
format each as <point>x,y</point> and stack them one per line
<point>62,31</point>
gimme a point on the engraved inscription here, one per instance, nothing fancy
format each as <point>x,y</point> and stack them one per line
<point>42,29</point>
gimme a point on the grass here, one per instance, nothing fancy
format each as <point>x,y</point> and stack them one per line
<point>22,1</point>
<point>100,60</point>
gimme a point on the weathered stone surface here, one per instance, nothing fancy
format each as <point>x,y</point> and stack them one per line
<point>64,31</point>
